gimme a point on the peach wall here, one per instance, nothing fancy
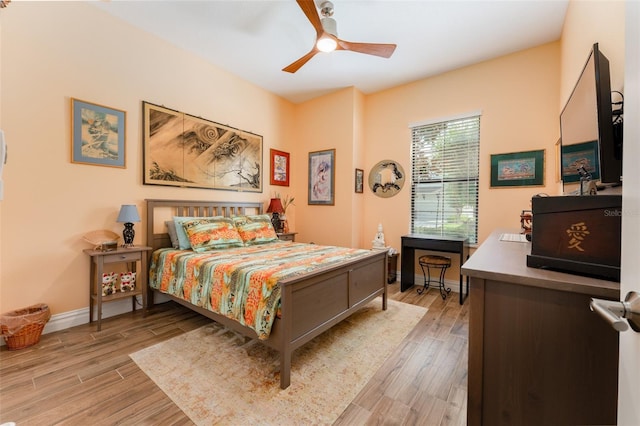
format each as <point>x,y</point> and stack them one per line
<point>322,124</point>
<point>54,51</point>
<point>517,96</point>
<point>45,62</point>
<point>604,22</point>
<point>589,22</point>
<point>358,236</point>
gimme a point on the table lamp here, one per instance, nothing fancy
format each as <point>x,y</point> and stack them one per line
<point>275,208</point>
<point>128,215</point>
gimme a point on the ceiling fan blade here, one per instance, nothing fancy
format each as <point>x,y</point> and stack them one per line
<point>377,49</point>
<point>309,9</point>
<point>295,66</point>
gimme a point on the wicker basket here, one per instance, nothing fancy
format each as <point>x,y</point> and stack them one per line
<point>97,238</point>
<point>23,327</point>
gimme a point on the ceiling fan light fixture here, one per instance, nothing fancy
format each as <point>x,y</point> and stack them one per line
<point>326,44</point>
<point>327,35</point>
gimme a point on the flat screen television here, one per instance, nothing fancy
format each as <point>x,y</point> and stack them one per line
<point>587,131</point>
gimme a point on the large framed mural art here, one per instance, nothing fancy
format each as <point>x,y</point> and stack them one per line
<point>188,151</point>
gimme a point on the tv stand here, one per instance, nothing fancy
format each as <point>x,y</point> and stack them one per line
<point>537,354</point>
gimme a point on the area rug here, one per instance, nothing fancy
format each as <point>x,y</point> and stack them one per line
<point>219,377</point>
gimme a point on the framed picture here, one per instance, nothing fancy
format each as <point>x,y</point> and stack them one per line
<point>322,173</point>
<point>279,167</point>
<point>359,181</point>
<point>558,160</point>
<point>188,151</point>
<point>577,155</point>
<point>97,134</point>
<point>517,169</point>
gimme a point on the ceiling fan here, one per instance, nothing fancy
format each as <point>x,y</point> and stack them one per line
<point>327,36</point>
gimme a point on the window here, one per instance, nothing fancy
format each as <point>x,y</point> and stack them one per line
<point>444,185</point>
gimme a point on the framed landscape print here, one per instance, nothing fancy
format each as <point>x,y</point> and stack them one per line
<point>97,134</point>
<point>279,167</point>
<point>322,173</point>
<point>517,169</point>
<point>188,151</point>
<point>579,155</point>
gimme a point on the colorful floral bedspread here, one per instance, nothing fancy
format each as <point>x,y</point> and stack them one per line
<point>241,283</point>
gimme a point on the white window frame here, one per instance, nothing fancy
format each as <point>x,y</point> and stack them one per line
<point>445,185</point>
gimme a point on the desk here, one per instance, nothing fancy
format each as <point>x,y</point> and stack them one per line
<point>412,242</point>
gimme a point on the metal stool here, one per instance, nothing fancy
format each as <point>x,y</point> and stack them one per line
<point>432,261</point>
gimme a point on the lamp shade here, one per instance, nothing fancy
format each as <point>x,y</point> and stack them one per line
<point>275,206</point>
<point>128,214</point>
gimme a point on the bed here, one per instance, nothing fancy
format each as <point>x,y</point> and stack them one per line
<point>310,302</point>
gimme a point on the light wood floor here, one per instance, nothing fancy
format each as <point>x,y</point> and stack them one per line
<point>82,377</point>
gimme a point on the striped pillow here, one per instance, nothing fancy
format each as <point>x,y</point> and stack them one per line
<point>208,233</point>
<point>255,229</point>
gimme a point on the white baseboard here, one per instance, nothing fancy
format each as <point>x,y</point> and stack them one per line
<point>70,319</point>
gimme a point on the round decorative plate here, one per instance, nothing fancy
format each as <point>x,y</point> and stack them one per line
<point>386,178</point>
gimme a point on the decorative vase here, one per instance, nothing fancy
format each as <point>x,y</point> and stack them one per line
<point>285,223</point>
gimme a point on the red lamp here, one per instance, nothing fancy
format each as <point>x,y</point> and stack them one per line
<point>275,208</point>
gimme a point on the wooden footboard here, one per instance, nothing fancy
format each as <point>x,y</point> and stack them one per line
<point>310,304</point>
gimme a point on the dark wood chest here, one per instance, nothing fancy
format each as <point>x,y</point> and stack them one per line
<point>577,234</point>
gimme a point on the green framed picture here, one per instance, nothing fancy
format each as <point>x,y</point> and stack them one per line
<point>579,155</point>
<point>517,169</point>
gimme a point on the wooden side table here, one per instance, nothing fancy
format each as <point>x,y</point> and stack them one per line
<point>392,268</point>
<point>131,256</point>
<point>287,236</point>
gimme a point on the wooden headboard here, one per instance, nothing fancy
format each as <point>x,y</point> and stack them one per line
<point>159,211</point>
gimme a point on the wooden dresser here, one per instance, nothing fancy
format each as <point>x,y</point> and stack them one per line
<point>537,354</point>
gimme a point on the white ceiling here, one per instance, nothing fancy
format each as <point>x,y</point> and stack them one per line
<point>256,39</point>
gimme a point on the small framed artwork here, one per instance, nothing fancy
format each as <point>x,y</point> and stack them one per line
<point>558,160</point>
<point>359,181</point>
<point>279,167</point>
<point>97,134</point>
<point>578,155</point>
<point>322,173</point>
<point>517,169</point>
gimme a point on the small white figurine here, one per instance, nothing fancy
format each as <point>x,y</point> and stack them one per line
<point>378,241</point>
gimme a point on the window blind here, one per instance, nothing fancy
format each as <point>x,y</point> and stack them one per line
<point>445,174</point>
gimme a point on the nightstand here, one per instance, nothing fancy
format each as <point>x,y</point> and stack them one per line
<point>392,268</point>
<point>130,256</point>
<point>287,236</point>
